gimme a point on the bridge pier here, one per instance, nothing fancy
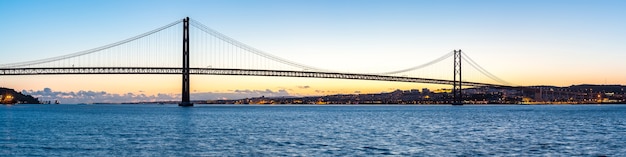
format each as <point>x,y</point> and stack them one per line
<point>457,92</point>
<point>185,94</point>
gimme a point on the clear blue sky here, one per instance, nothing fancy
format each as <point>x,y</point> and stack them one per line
<point>557,42</point>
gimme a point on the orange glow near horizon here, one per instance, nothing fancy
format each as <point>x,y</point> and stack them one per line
<point>170,84</point>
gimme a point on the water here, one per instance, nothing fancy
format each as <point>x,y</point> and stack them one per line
<point>168,130</point>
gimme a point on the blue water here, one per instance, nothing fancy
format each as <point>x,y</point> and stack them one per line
<point>169,130</point>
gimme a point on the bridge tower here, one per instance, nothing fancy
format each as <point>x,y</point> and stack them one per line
<point>457,92</point>
<point>185,95</point>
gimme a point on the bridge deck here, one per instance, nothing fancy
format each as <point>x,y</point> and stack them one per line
<point>219,71</point>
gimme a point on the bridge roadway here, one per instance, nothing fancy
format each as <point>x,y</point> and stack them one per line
<point>220,71</point>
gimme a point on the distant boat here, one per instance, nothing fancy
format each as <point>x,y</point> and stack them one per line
<point>56,102</point>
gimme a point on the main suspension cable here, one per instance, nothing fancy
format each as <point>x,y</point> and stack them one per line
<point>47,60</point>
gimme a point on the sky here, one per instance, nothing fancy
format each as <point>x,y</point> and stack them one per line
<point>525,42</point>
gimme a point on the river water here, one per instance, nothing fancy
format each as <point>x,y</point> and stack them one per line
<point>169,130</point>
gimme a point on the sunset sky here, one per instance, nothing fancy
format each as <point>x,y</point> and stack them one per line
<point>529,42</point>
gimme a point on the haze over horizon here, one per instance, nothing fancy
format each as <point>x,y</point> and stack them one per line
<point>534,42</point>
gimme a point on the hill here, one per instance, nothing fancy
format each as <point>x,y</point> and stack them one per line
<point>10,96</point>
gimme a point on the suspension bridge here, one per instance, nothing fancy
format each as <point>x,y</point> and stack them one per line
<point>208,52</point>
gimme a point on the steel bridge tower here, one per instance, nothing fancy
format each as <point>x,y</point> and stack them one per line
<point>457,92</point>
<point>185,95</point>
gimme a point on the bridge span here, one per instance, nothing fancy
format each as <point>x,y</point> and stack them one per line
<point>221,71</point>
<point>158,52</point>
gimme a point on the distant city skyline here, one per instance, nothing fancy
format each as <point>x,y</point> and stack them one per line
<point>557,43</point>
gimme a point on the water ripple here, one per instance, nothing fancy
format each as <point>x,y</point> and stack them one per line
<point>167,130</point>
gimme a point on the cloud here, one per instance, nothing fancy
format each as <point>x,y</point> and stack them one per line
<point>357,92</point>
<point>326,91</point>
<point>304,87</point>
<point>48,94</point>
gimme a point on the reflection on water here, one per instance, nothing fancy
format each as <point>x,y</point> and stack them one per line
<point>168,130</point>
